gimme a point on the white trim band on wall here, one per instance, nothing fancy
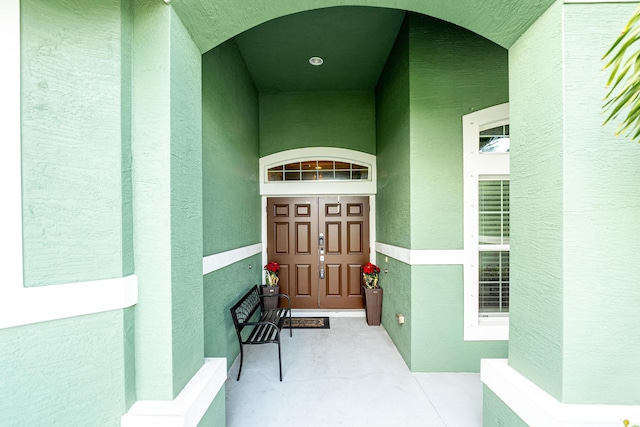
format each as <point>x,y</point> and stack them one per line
<point>25,306</point>
<point>215,262</point>
<point>537,408</point>
<point>422,257</point>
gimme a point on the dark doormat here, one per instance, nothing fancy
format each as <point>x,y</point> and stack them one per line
<point>307,323</point>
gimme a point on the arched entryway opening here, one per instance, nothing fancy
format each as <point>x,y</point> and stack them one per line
<point>410,119</point>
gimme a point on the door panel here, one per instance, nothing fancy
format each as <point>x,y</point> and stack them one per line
<point>291,242</point>
<point>346,226</point>
<point>294,225</point>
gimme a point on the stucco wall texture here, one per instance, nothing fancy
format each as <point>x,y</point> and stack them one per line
<point>436,73</point>
<point>74,185</point>
<point>114,179</point>
<point>232,206</point>
<point>230,143</point>
<point>167,189</point>
<point>574,261</point>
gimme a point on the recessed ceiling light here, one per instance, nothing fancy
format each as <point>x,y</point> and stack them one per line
<point>316,60</point>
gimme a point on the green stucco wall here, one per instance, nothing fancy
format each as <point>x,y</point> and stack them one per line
<point>69,372</point>
<point>77,213</point>
<point>395,279</point>
<point>574,212</point>
<point>437,323</point>
<point>496,413</point>
<point>603,191</point>
<point>536,296</point>
<point>392,198</point>
<point>167,186</point>
<point>436,73</point>
<point>215,415</point>
<point>453,72</point>
<point>317,119</point>
<point>75,140</point>
<point>393,203</point>
<point>231,207</point>
<point>222,289</point>
<point>186,206</point>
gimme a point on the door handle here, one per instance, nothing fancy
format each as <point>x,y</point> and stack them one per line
<point>321,249</point>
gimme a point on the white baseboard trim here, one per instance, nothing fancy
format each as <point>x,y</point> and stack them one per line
<point>188,408</point>
<point>215,262</point>
<point>537,408</point>
<point>23,306</point>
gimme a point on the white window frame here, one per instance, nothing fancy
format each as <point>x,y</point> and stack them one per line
<point>478,166</point>
<point>294,188</point>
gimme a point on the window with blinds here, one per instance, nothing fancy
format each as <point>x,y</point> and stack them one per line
<point>493,244</point>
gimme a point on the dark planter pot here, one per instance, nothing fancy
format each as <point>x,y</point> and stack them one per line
<point>270,303</point>
<point>373,305</point>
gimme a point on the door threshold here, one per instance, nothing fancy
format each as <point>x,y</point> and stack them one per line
<point>319,312</point>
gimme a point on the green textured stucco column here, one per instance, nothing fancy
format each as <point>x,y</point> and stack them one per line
<point>232,207</point>
<point>436,73</point>
<point>575,213</point>
<point>167,189</point>
<point>452,71</point>
<point>76,194</point>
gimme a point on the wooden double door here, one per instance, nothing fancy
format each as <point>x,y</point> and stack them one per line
<point>321,244</point>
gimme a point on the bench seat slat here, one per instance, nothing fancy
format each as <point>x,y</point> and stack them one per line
<point>262,334</point>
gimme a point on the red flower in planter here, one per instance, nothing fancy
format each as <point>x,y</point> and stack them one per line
<point>272,269</point>
<point>370,275</point>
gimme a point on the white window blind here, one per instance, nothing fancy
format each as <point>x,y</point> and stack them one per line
<point>493,245</point>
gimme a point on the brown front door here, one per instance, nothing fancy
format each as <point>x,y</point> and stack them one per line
<point>320,244</point>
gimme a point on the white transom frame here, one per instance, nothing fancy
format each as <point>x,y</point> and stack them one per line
<point>320,188</point>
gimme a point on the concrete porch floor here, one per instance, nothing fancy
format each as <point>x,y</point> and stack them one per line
<point>351,375</point>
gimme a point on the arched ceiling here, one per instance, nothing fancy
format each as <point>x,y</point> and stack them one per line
<point>354,43</point>
<point>211,22</point>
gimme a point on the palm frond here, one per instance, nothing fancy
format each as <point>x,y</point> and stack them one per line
<point>624,79</point>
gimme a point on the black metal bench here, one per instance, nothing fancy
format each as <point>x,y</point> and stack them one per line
<point>265,330</point>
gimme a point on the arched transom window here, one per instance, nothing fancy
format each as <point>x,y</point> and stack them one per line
<point>318,170</point>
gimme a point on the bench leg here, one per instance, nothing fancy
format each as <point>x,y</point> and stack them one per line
<point>290,325</point>
<point>241,357</point>
<point>279,359</point>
